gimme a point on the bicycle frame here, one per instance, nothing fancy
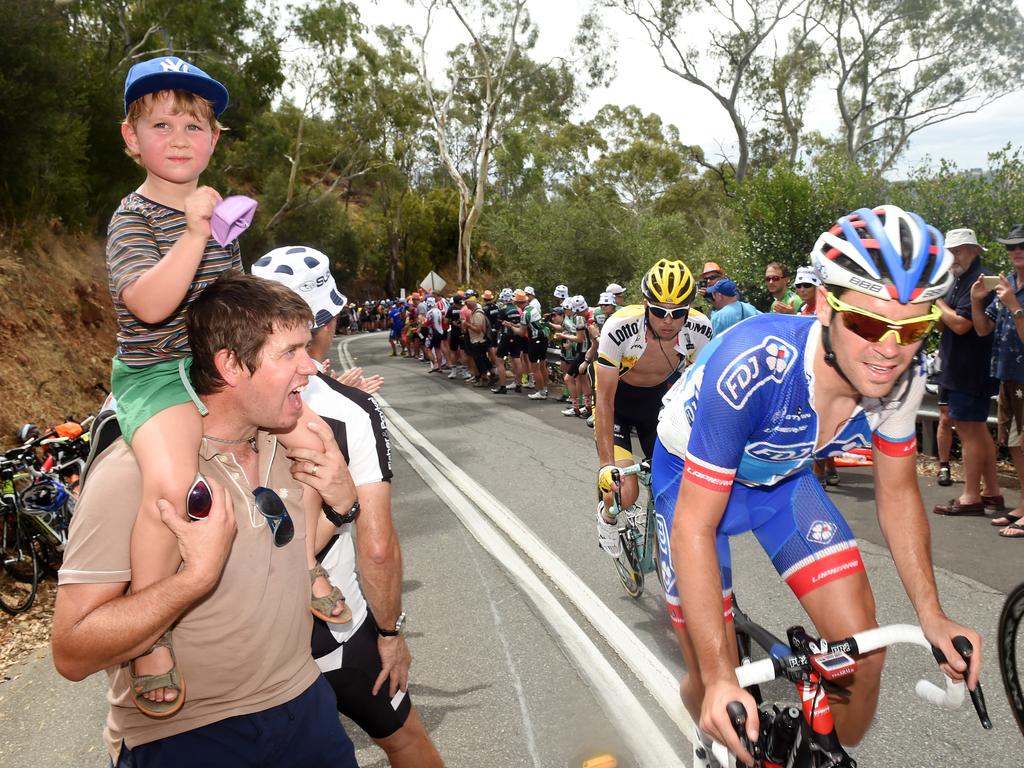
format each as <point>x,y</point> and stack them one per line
<point>637,531</point>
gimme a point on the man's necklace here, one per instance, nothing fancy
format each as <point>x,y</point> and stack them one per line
<point>250,440</point>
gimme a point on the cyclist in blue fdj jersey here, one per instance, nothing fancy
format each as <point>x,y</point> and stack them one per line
<point>739,434</point>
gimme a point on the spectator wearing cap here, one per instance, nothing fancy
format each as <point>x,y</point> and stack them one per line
<point>806,285</point>
<point>475,326</point>
<point>561,292</point>
<point>511,342</point>
<point>965,376</point>
<point>1003,318</point>
<point>492,311</point>
<point>435,334</point>
<point>709,275</point>
<point>534,302</point>
<point>776,279</point>
<point>728,309</point>
<point>453,341</point>
<point>352,655</point>
<point>618,292</point>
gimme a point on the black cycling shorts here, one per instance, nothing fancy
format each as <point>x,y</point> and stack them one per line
<point>353,686</point>
<point>455,337</point>
<point>576,365</point>
<point>434,339</point>
<point>537,349</point>
<point>637,408</point>
<point>510,345</point>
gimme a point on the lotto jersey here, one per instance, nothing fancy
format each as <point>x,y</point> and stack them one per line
<point>624,338</point>
<point>745,412</point>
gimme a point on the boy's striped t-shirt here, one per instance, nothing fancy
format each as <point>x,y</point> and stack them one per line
<point>141,232</point>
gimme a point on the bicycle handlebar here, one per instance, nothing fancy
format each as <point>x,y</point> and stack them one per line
<point>766,670</point>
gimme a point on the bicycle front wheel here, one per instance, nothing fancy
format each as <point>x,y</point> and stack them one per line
<point>1010,642</point>
<point>19,578</point>
<point>627,564</point>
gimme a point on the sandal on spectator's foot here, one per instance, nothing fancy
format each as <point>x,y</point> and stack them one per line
<point>1006,520</point>
<point>321,607</point>
<point>141,684</point>
<point>1013,531</point>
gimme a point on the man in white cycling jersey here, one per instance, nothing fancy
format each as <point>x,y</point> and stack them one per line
<point>739,435</point>
<point>642,349</point>
<point>366,660</point>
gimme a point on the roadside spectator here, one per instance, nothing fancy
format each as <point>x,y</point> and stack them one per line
<point>253,689</point>
<point>727,307</point>
<point>436,336</point>
<point>475,326</point>
<point>396,316</point>
<point>510,342</point>
<point>784,301</point>
<point>965,377</point>
<point>1005,317</point>
<point>806,285</point>
<point>709,275</point>
<point>618,292</point>
<point>366,660</point>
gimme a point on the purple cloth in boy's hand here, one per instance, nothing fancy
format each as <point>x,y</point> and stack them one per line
<point>231,217</point>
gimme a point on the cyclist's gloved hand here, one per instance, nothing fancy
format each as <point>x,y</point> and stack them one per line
<point>607,478</point>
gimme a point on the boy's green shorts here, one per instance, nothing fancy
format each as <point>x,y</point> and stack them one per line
<point>141,393</point>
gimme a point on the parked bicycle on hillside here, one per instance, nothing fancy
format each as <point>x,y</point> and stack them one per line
<point>36,506</point>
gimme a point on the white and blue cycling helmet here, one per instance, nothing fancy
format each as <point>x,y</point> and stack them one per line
<point>887,253</point>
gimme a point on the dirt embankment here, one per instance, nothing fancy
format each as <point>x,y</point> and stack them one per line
<point>57,330</point>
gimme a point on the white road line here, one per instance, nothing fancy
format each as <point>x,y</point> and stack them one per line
<point>651,672</point>
<point>640,733</point>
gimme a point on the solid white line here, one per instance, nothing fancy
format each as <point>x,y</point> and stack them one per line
<point>640,733</point>
<point>651,672</point>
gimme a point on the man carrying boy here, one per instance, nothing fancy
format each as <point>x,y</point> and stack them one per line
<point>239,603</point>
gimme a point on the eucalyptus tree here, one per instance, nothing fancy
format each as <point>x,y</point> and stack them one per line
<point>901,67</point>
<point>713,45</point>
<point>493,85</point>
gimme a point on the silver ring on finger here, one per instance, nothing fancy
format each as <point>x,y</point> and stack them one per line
<point>314,470</point>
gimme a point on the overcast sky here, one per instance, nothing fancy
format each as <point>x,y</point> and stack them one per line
<point>640,80</point>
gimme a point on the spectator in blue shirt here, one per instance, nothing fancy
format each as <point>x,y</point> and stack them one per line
<point>1005,317</point>
<point>728,309</point>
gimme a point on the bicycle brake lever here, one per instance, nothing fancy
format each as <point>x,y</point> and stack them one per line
<point>963,647</point>
<point>738,718</point>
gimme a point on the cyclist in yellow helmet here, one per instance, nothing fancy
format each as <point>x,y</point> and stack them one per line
<point>642,350</point>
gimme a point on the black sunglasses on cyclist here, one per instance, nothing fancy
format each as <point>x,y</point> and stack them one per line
<point>199,499</point>
<point>661,313</point>
<point>269,505</point>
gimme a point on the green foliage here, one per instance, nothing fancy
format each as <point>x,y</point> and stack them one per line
<point>355,170</point>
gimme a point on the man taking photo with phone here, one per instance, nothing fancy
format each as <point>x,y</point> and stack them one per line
<point>965,377</point>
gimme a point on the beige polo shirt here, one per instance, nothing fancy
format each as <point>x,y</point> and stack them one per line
<point>245,646</point>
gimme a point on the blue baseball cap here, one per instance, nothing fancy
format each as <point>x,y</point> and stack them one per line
<point>725,286</point>
<point>169,73</point>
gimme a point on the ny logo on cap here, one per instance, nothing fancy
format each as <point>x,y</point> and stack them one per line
<point>174,64</point>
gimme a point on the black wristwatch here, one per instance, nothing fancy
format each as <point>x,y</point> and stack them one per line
<point>399,624</point>
<point>338,519</point>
